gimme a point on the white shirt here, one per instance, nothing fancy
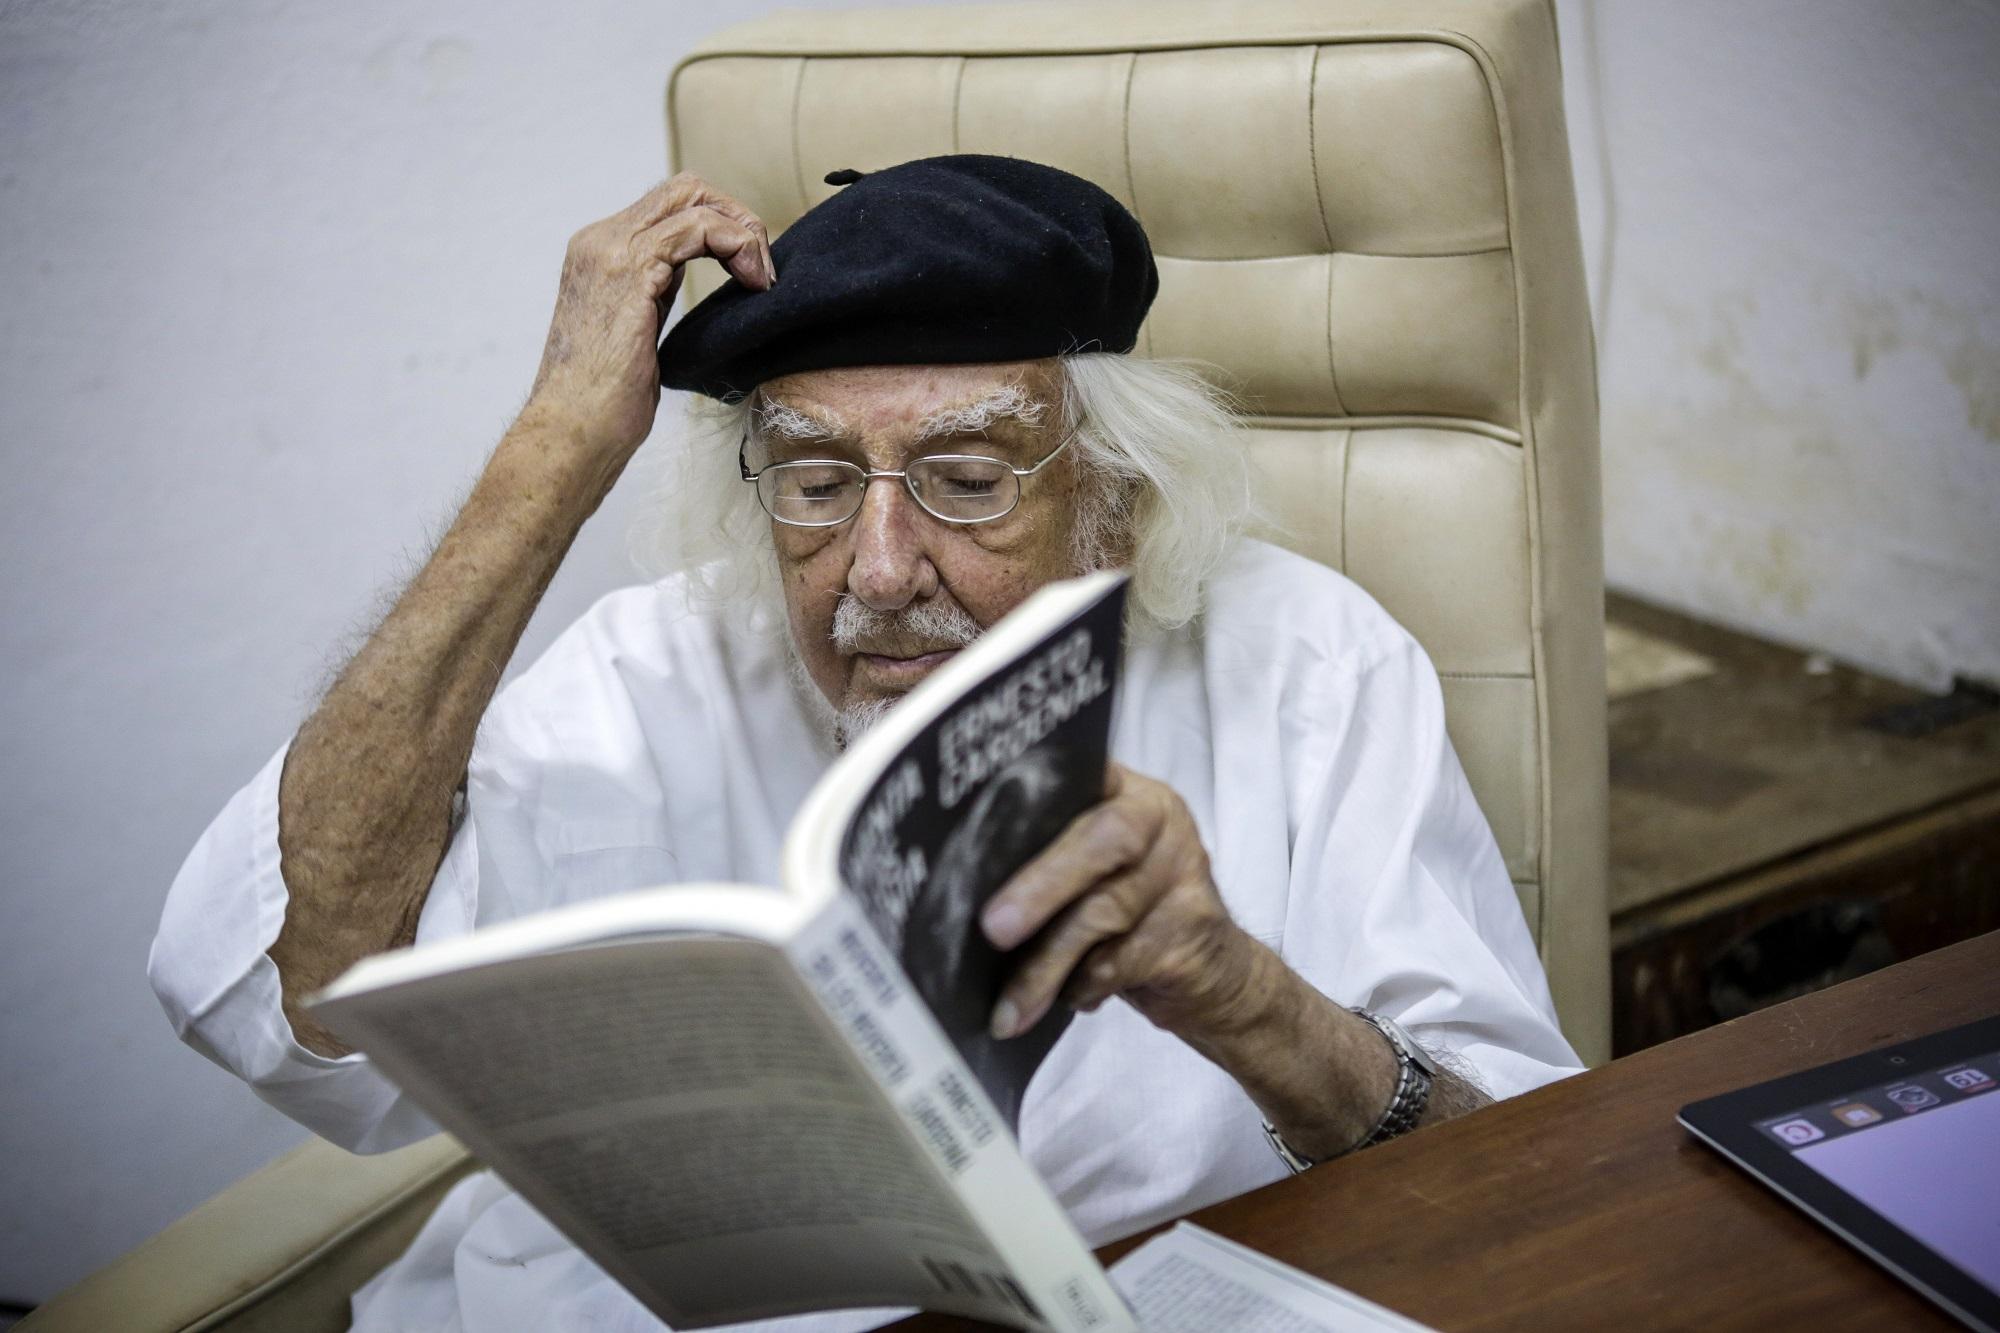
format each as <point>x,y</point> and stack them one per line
<point>1301,725</point>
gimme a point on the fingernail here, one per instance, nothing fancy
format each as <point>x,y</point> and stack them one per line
<point>1005,1016</point>
<point>1002,923</point>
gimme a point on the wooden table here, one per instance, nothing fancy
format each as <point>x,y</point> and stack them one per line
<point>1583,1205</point>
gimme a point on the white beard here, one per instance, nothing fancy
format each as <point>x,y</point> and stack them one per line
<point>931,626</point>
<point>851,720</point>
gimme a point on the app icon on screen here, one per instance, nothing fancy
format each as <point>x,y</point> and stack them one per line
<point>1968,1079</point>
<point>1856,1114</point>
<point>1911,1097</point>
<point>1798,1132</point>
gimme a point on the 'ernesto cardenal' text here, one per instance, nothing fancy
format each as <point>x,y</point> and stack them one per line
<point>984,737</point>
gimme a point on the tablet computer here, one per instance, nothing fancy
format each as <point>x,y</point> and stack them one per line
<point>1898,1151</point>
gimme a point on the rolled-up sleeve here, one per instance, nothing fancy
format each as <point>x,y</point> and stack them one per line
<point>210,968</point>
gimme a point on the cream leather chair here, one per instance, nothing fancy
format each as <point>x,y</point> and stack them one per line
<point>1363,213</point>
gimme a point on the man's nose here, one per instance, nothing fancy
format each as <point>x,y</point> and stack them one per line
<point>891,566</point>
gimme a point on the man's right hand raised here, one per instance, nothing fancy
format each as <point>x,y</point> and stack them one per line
<point>364,805</point>
<point>599,380</point>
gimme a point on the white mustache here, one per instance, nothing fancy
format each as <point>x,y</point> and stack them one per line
<point>920,627</point>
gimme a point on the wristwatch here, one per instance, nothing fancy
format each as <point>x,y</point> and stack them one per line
<point>1415,1073</point>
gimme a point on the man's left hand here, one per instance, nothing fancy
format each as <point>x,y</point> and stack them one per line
<point>1125,905</point>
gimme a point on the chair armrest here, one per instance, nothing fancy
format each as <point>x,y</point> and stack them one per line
<point>282,1248</point>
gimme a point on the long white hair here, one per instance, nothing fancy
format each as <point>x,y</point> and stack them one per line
<point>1164,477</point>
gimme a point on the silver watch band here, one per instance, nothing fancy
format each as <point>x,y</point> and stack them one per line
<point>1294,1160</point>
<point>1415,1073</point>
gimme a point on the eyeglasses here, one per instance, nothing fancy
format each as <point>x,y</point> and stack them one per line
<point>954,488</point>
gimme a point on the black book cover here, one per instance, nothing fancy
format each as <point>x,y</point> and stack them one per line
<point>981,790</point>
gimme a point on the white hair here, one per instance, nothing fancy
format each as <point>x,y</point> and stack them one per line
<point>1165,484</point>
<point>1007,401</point>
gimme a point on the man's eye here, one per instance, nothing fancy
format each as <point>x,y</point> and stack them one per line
<point>967,479</point>
<point>815,483</point>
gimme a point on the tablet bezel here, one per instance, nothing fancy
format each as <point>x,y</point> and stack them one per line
<point>1728,1124</point>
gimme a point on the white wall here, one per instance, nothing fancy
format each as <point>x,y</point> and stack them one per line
<point>276,276</point>
<point>1800,316</point>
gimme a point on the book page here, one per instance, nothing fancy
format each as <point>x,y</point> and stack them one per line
<point>1191,1280</point>
<point>684,1111</point>
<point>1044,1275</point>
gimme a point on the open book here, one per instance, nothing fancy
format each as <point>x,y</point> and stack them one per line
<point>750,1101</point>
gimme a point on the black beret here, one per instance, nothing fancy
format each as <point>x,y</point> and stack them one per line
<point>942,260</point>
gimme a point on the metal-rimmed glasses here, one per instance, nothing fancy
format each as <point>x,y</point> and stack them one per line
<point>953,488</point>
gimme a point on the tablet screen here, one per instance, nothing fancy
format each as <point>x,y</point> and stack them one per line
<point>1923,1151</point>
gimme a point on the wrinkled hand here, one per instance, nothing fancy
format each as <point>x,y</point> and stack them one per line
<point>600,373</point>
<point>1129,909</point>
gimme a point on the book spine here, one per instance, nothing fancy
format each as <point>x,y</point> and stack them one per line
<point>1041,1274</point>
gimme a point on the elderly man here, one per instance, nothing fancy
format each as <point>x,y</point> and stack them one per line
<point>1287,832</point>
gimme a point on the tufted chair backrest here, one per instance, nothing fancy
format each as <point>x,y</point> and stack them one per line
<point>1362,210</point>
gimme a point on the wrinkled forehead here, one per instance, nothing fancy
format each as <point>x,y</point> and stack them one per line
<point>909,402</point>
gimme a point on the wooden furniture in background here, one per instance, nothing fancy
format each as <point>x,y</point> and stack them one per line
<point>1585,1206</point>
<point>1780,823</point>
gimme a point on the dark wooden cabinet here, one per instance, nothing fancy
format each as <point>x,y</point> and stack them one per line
<point>1780,823</point>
